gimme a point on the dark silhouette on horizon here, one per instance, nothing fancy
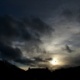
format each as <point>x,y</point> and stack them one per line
<point>9,71</point>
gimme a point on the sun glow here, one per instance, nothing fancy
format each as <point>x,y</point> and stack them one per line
<point>56,61</point>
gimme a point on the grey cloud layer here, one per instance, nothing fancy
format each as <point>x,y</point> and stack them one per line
<point>19,38</point>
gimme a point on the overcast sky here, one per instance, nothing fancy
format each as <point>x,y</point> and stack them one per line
<point>34,32</point>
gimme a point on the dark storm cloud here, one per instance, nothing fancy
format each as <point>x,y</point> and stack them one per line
<point>14,31</point>
<point>38,59</point>
<point>26,29</point>
<point>31,62</point>
<point>13,54</point>
<point>24,61</point>
<point>9,53</point>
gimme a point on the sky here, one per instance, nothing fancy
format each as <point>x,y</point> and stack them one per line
<point>40,33</point>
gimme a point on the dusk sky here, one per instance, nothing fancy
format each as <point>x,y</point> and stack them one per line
<point>40,33</point>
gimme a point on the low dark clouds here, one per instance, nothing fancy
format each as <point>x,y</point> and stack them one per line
<point>13,32</point>
<point>38,59</point>
<point>9,53</point>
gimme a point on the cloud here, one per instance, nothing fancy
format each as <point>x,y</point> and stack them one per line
<point>20,39</point>
<point>32,42</point>
<point>38,59</point>
<point>24,61</point>
<point>9,53</point>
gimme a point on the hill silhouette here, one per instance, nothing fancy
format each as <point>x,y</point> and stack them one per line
<point>11,72</point>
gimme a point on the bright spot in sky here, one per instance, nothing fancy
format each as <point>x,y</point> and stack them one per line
<point>57,61</point>
<point>54,61</point>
